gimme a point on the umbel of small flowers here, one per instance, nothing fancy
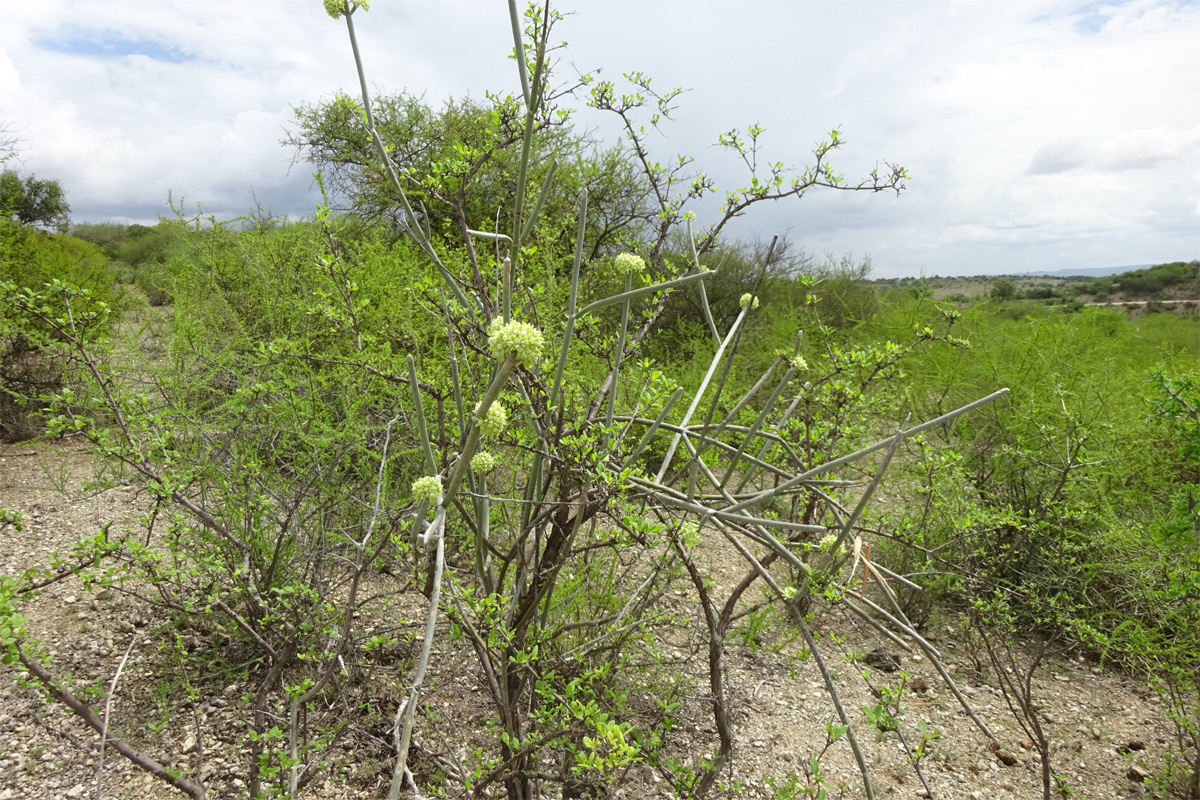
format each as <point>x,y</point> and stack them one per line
<point>335,8</point>
<point>483,462</point>
<point>429,489</point>
<point>516,337</point>
<point>749,300</point>
<point>493,424</point>
<point>629,264</point>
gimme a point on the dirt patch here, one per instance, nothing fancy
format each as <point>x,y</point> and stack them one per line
<point>780,707</point>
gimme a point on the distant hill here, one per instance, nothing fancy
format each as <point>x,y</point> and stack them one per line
<point>1085,272</point>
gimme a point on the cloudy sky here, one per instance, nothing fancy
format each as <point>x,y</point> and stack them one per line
<point>1040,134</point>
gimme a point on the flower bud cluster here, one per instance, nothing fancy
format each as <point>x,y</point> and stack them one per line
<point>827,542</point>
<point>516,337</point>
<point>494,423</point>
<point>428,489</point>
<point>749,300</point>
<point>483,462</point>
<point>629,264</point>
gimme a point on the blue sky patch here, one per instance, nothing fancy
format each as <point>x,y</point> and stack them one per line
<point>110,44</point>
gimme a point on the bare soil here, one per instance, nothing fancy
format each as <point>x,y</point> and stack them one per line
<point>780,705</point>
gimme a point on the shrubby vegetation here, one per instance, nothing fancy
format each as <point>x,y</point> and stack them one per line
<point>509,393</point>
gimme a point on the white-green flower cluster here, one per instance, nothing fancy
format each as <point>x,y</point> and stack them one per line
<point>827,542</point>
<point>493,424</point>
<point>789,592</point>
<point>749,300</point>
<point>428,489</point>
<point>799,364</point>
<point>689,534</point>
<point>629,264</point>
<point>516,337</point>
<point>336,8</point>
<point>483,462</point>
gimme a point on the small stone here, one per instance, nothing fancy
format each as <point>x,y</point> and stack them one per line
<point>70,599</point>
<point>189,743</point>
<point>1048,718</point>
<point>1006,758</point>
<point>1135,745</point>
<point>882,660</point>
<point>1137,774</point>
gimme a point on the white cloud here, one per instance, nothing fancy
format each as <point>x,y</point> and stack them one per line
<point>1040,133</point>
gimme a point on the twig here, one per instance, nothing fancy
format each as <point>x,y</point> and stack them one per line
<point>112,689</point>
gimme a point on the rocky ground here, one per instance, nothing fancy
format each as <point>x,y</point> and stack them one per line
<point>1102,724</point>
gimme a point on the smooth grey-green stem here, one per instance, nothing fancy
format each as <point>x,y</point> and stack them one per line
<point>758,421</point>
<point>895,604</point>
<point>407,710</point>
<point>896,577</point>
<point>767,494</point>
<point>767,445</point>
<point>692,431</point>
<point>455,380</point>
<point>519,49</point>
<point>531,220</point>
<point>410,219</point>
<point>419,410</point>
<point>901,622</point>
<point>830,686</point>
<point>533,485</point>
<point>482,524</point>
<point>644,290</point>
<point>712,406</point>
<point>758,532</point>
<point>572,302</point>
<point>618,359</point>
<point>653,429</point>
<point>745,401</point>
<point>677,499</point>
<point>534,419</point>
<point>506,289</point>
<point>472,443</point>
<point>937,664</point>
<point>708,317</point>
<point>876,480</point>
<point>495,237</point>
<point>881,629</point>
<point>531,107</point>
<point>712,367</point>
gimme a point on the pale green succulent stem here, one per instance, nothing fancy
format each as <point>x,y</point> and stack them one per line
<point>419,411</point>
<point>653,429</point>
<point>828,466</point>
<point>410,218</point>
<point>708,317</point>
<point>618,359</point>
<point>556,400</point>
<point>514,17</point>
<point>643,291</point>
<point>754,428</point>
<point>712,367</point>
